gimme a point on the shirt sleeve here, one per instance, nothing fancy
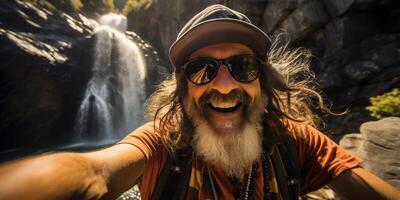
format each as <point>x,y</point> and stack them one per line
<point>149,142</point>
<point>145,139</point>
<point>321,159</point>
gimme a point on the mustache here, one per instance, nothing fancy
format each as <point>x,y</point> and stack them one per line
<point>236,95</point>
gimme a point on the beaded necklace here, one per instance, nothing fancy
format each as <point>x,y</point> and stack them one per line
<point>247,190</point>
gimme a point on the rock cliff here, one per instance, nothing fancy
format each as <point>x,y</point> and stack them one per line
<point>356,43</point>
<point>46,57</point>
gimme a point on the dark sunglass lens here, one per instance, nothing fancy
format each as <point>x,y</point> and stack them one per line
<point>244,68</point>
<point>201,71</point>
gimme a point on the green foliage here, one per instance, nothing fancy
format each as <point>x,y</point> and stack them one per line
<point>100,7</point>
<point>109,4</point>
<point>76,4</point>
<point>67,5</point>
<point>89,7</point>
<point>134,5</point>
<point>385,105</point>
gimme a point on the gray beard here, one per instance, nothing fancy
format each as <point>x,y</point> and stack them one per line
<point>234,152</point>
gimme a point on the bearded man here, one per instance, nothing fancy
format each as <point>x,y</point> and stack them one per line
<point>234,98</point>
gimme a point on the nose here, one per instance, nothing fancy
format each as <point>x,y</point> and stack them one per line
<point>224,82</point>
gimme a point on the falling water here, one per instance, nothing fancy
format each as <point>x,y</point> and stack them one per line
<point>113,100</point>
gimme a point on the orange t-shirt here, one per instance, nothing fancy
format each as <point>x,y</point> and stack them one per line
<point>321,160</point>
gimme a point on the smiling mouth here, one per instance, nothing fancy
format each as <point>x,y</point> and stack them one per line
<point>225,108</point>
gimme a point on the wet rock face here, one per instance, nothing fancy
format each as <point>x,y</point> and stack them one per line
<point>43,66</point>
<point>356,43</point>
<point>380,138</point>
<point>46,59</point>
<point>356,48</point>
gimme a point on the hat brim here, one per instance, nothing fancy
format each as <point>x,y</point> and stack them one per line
<point>218,31</point>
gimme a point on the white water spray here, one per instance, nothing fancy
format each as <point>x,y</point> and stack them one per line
<point>113,102</point>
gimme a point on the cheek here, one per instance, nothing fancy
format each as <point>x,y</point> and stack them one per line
<point>195,92</point>
<point>253,89</point>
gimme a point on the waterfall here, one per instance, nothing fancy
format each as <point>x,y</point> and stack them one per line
<point>113,101</point>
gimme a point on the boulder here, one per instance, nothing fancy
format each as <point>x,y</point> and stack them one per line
<point>378,146</point>
<point>351,142</point>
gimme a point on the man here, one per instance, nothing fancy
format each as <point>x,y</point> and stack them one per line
<point>224,113</point>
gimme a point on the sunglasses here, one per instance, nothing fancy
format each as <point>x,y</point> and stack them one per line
<point>243,68</point>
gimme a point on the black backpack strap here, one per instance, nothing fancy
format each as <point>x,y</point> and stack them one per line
<point>289,154</point>
<point>173,182</point>
<point>287,170</point>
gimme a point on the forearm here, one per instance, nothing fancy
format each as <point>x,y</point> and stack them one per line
<point>121,166</point>
<point>361,184</point>
<point>52,176</point>
<point>103,174</point>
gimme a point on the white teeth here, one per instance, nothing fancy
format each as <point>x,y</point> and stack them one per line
<point>223,104</point>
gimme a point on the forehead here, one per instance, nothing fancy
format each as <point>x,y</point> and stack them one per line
<point>222,50</point>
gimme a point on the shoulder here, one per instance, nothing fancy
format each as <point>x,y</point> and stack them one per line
<point>147,130</point>
<point>308,138</point>
<point>301,130</point>
<point>321,159</point>
<point>146,138</point>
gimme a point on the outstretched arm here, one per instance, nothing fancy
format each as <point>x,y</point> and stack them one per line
<point>103,174</point>
<point>358,183</point>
